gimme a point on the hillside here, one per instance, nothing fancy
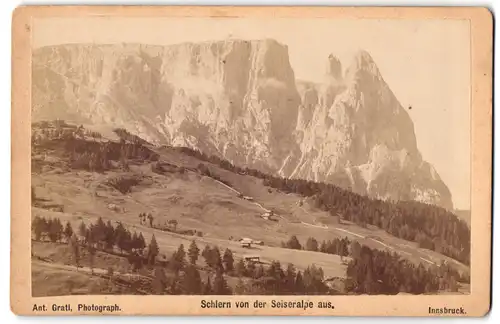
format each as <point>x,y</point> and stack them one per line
<point>82,176</point>
<point>239,100</point>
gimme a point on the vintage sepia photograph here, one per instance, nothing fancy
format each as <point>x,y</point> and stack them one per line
<point>270,156</point>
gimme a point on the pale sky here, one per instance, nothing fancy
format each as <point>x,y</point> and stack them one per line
<point>425,62</point>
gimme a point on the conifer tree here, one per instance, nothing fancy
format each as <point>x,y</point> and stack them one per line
<point>240,288</point>
<point>241,269</point>
<point>191,281</point>
<point>290,277</point>
<point>37,227</point>
<point>312,244</point>
<point>141,245</point>
<point>259,272</point>
<point>92,252</point>
<point>228,261</point>
<point>159,281</point>
<point>153,250</point>
<point>299,284</point>
<point>207,287</point>
<point>193,252</point>
<point>109,235</point>
<point>177,261</point>
<point>216,259</point>
<point>206,254</point>
<point>294,243</point>
<point>82,230</point>
<point>250,269</point>
<point>68,231</point>
<point>75,248</point>
<point>220,286</point>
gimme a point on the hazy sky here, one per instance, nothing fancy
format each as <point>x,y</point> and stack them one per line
<point>425,62</point>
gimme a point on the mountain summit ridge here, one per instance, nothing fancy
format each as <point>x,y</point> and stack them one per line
<point>240,100</point>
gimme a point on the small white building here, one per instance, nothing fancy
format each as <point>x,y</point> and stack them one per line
<point>246,242</point>
<point>251,258</point>
<point>267,215</point>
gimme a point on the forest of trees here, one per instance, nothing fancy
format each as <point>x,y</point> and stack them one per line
<point>100,236</point>
<point>370,271</point>
<point>336,246</point>
<point>93,155</point>
<point>430,226</point>
<point>373,271</point>
<point>181,273</point>
<point>433,227</point>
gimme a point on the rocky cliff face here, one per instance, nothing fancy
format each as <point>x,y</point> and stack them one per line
<point>240,100</point>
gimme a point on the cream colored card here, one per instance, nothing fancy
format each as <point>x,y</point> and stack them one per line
<point>251,161</point>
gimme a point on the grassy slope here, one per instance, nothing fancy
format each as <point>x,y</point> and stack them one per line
<point>200,203</point>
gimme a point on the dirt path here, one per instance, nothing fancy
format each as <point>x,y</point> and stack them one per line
<point>428,261</point>
<point>225,185</point>
<point>381,243</point>
<point>95,184</point>
<point>87,270</point>
<point>312,225</point>
<point>69,268</point>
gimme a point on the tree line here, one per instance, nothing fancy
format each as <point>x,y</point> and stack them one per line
<point>338,246</point>
<point>180,274</point>
<point>93,155</point>
<point>432,227</point>
<point>373,271</point>
<point>252,278</point>
<point>99,236</point>
<point>369,271</point>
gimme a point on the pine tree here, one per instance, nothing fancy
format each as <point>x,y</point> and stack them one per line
<point>153,250</point>
<point>135,261</point>
<point>177,261</point>
<point>290,278</point>
<point>82,230</point>
<point>55,230</point>
<point>92,252</point>
<point>151,218</point>
<point>193,252</point>
<point>37,227</point>
<point>191,282</point>
<point>181,254</point>
<point>207,287</point>
<point>121,237</point>
<point>75,247</point>
<point>176,285</point>
<point>68,231</point>
<point>299,284</point>
<point>259,273</point>
<point>215,259</point>
<point>323,247</point>
<point>141,245</point>
<point>250,269</point>
<point>228,261</point>
<point>240,288</point>
<point>109,235</point>
<point>294,243</point>
<point>135,241</point>
<point>159,281</point>
<point>220,285</point>
<point>312,244</point>
<point>241,269</point>
<point>207,254</point>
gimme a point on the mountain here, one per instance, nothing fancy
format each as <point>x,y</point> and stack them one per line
<point>240,100</point>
